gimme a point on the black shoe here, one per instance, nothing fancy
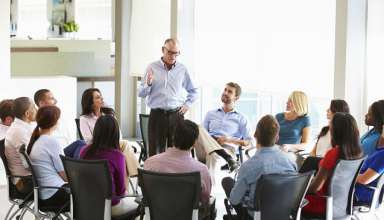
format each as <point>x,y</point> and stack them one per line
<point>233,165</point>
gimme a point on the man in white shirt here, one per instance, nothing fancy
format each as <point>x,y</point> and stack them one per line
<point>44,97</point>
<point>18,134</point>
<point>6,116</point>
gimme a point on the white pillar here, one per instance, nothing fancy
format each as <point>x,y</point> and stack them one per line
<point>350,55</point>
<point>125,87</point>
<point>5,64</point>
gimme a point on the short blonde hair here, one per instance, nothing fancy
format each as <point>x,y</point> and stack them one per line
<point>300,102</point>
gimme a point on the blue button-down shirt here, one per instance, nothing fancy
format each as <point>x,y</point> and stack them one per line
<point>168,86</point>
<point>231,124</point>
<point>267,160</point>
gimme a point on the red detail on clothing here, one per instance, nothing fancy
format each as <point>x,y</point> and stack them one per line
<point>317,204</point>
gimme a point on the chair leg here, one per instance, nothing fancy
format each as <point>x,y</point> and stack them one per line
<point>9,211</point>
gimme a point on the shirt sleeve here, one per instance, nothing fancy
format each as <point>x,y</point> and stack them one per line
<point>55,152</point>
<point>377,163</point>
<point>306,121</point>
<point>144,89</point>
<point>330,159</point>
<point>85,130</point>
<point>245,129</point>
<point>239,189</point>
<point>206,185</point>
<point>120,175</point>
<point>191,89</point>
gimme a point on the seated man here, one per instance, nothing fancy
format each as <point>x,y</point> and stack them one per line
<point>18,134</point>
<point>226,127</point>
<point>6,116</point>
<point>44,97</point>
<point>268,159</point>
<point>178,159</point>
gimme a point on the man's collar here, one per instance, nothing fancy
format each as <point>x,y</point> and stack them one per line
<point>165,65</point>
<point>234,110</point>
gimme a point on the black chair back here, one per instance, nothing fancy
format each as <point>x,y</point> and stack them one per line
<point>342,186</point>
<point>25,156</point>
<point>279,196</point>
<point>77,121</point>
<point>170,195</point>
<point>90,184</point>
<point>144,119</point>
<point>4,158</point>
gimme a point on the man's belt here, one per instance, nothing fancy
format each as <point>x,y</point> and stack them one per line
<point>165,111</point>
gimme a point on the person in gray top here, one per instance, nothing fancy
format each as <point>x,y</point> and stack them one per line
<point>268,159</point>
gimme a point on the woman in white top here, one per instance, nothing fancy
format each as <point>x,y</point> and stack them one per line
<point>92,108</point>
<point>323,143</point>
<point>44,151</point>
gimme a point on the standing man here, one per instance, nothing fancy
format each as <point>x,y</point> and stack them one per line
<point>163,86</point>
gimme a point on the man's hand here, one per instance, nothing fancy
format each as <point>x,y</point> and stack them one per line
<point>222,140</point>
<point>183,109</point>
<point>285,147</point>
<point>150,77</point>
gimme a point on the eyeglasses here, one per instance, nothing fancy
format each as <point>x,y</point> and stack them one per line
<point>171,53</point>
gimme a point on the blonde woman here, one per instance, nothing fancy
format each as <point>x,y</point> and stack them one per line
<point>294,123</point>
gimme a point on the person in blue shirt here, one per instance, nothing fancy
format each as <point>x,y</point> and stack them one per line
<point>371,170</point>
<point>268,159</point>
<point>163,86</point>
<point>375,118</point>
<point>294,123</point>
<point>223,129</point>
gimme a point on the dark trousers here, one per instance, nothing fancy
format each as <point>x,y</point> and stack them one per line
<point>60,201</point>
<point>242,212</point>
<point>161,126</point>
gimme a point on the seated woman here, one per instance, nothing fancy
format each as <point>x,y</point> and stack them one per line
<point>294,123</point>
<point>346,146</point>
<point>44,151</point>
<point>323,143</point>
<point>375,117</point>
<point>105,146</point>
<point>371,170</point>
<point>92,108</point>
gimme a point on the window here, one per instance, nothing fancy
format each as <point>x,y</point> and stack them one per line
<point>270,48</point>
<point>94,18</point>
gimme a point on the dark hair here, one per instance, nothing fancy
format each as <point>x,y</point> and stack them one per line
<point>106,135</point>
<point>87,101</point>
<point>337,105</point>
<point>266,131</point>
<point>6,109</point>
<point>345,134</point>
<point>40,95</point>
<point>236,86</point>
<point>377,109</point>
<point>21,105</point>
<point>185,135</point>
<point>46,118</point>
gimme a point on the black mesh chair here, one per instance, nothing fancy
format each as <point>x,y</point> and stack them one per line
<point>144,119</point>
<point>170,195</point>
<point>77,121</point>
<point>43,211</point>
<point>91,188</point>
<point>341,189</point>
<point>280,196</point>
<point>371,209</point>
<point>22,201</point>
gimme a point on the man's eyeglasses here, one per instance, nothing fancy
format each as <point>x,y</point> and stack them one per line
<point>172,53</point>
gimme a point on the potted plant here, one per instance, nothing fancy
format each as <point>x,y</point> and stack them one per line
<point>70,28</point>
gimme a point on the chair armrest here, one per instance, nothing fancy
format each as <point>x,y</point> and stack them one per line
<point>124,196</point>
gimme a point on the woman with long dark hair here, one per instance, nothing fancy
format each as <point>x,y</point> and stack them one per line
<point>44,151</point>
<point>105,146</point>
<point>345,145</point>
<point>93,108</point>
<point>323,143</point>
<point>371,140</point>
